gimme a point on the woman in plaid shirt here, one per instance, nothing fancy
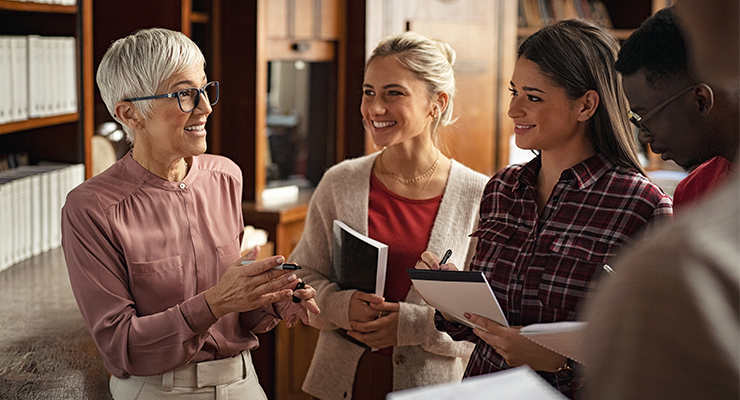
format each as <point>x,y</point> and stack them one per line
<point>547,227</point>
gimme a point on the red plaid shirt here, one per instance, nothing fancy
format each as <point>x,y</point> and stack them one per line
<point>540,268</point>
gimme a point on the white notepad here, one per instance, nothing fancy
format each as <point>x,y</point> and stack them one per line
<point>564,338</point>
<point>455,293</point>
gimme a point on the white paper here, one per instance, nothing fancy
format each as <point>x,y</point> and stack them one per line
<point>564,338</point>
<point>518,383</point>
<point>454,297</point>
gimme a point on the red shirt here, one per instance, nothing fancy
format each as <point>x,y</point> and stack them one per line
<point>405,225</point>
<point>700,181</point>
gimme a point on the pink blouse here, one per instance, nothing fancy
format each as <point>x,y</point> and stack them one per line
<point>141,250</point>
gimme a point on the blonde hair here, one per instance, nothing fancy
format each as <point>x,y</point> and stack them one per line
<point>136,66</point>
<point>428,60</point>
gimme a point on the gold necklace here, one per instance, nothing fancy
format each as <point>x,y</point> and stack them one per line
<point>410,180</point>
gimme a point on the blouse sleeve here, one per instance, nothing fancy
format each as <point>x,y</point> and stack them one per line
<point>127,342</point>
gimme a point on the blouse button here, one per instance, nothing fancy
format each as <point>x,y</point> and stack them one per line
<point>182,186</point>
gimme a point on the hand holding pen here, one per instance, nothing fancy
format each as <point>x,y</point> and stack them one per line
<point>429,260</point>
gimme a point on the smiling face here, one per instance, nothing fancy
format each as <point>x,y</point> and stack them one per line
<point>677,131</point>
<point>169,133</point>
<point>544,117</point>
<point>396,106</point>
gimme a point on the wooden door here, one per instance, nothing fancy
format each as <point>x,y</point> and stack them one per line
<point>471,139</point>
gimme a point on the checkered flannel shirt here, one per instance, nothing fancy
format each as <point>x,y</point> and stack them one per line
<point>540,268</point>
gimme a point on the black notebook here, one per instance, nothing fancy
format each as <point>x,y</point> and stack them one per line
<point>359,262</point>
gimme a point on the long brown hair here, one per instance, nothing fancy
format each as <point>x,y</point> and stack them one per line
<point>579,56</point>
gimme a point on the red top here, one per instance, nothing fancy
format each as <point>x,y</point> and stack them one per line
<point>405,225</point>
<point>701,181</point>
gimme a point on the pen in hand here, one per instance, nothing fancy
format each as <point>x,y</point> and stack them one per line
<point>283,266</point>
<point>446,257</point>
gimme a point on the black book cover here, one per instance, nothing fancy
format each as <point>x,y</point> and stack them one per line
<point>359,262</point>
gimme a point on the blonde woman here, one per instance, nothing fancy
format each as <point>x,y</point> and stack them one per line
<point>409,196</point>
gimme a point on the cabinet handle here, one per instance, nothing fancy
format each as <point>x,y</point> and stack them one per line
<point>301,46</point>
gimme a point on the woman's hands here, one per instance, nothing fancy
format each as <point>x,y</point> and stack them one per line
<point>516,349</point>
<point>248,287</point>
<point>308,305</point>
<point>430,260</point>
<point>373,320</point>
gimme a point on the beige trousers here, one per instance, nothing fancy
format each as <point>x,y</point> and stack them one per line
<point>226,379</point>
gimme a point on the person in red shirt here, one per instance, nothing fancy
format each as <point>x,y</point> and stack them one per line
<point>679,116</point>
<point>409,196</point>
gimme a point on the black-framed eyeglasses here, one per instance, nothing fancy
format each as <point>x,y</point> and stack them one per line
<point>189,98</point>
<point>638,121</point>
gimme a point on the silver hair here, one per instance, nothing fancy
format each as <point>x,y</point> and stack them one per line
<point>138,64</point>
<point>429,60</point>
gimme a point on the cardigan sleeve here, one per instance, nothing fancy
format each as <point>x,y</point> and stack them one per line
<point>313,253</point>
<point>456,219</point>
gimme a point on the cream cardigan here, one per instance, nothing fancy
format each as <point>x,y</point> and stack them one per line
<point>424,355</point>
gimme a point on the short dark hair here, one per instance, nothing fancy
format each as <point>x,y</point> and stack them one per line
<point>658,46</point>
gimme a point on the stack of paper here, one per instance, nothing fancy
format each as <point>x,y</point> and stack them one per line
<point>565,338</point>
<point>518,383</point>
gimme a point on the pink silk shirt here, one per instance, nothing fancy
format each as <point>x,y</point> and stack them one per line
<point>141,250</point>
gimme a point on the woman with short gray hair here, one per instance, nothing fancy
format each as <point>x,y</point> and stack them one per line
<point>153,243</point>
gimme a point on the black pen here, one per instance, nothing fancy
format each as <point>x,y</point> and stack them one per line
<point>283,266</point>
<point>299,286</point>
<point>288,266</point>
<point>446,257</point>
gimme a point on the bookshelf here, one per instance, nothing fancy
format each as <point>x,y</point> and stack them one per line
<point>65,137</point>
<point>621,17</point>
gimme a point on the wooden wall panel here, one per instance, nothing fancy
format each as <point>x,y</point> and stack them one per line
<point>472,27</point>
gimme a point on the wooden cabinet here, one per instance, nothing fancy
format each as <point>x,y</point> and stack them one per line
<point>62,138</point>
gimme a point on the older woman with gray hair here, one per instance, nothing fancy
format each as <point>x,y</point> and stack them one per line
<point>409,196</point>
<point>152,244</point>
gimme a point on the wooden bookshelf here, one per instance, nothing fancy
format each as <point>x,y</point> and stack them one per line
<point>61,138</point>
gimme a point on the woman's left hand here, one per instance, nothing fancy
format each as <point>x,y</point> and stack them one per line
<point>516,349</point>
<point>381,332</point>
<point>308,305</point>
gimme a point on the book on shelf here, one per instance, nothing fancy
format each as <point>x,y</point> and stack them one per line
<point>358,262</point>
<point>539,13</point>
<point>40,75</point>
<point>31,198</point>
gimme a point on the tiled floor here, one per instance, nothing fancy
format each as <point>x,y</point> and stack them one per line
<point>45,349</point>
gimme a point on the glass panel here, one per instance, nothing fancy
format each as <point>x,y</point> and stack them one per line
<point>300,122</point>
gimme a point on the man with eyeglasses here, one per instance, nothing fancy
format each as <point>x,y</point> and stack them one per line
<point>680,117</point>
<point>152,243</point>
<point>667,324</point>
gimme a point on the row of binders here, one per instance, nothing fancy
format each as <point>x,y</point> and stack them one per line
<point>539,13</point>
<point>59,2</point>
<point>31,200</point>
<point>40,74</point>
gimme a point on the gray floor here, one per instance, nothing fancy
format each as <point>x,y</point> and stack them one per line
<point>45,349</point>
